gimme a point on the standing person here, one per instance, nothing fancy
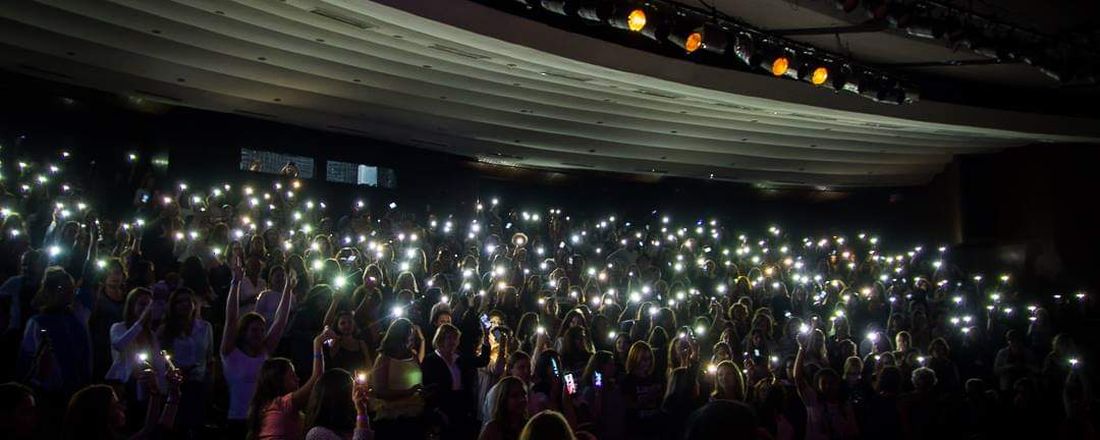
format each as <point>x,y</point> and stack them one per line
<point>600,403</point>
<point>246,343</point>
<point>1014,362</point>
<point>348,352</point>
<point>642,393</point>
<point>329,415</point>
<point>397,382</point>
<point>56,353</point>
<point>509,413</point>
<point>189,339</point>
<point>681,398</point>
<point>829,417</point>
<point>275,411</point>
<point>518,366</point>
<point>446,392</point>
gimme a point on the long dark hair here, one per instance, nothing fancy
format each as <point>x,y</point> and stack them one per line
<point>270,385</point>
<point>177,325</point>
<point>89,414</point>
<point>193,275</point>
<point>129,314</point>
<point>395,344</point>
<point>330,403</point>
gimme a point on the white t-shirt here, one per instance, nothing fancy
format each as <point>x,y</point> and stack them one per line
<point>241,374</point>
<point>193,350</point>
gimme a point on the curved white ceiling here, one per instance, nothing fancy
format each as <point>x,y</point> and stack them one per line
<point>459,77</point>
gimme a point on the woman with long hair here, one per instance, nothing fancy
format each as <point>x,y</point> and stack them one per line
<point>600,402</point>
<point>547,425</point>
<point>682,396</point>
<point>275,411</point>
<point>517,366</point>
<point>134,335</point>
<point>397,382</point>
<point>348,351</point>
<point>642,393</point>
<point>190,340</point>
<point>337,408</point>
<point>246,343</point>
<point>729,383</point>
<point>508,415</point>
<point>56,351</point>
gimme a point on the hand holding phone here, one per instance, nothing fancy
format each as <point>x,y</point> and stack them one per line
<point>597,379</point>
<point>570,384</point>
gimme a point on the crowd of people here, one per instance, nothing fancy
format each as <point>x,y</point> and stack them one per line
<point>249,310</point>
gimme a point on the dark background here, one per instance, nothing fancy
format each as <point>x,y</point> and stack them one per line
<point>1031,209</point>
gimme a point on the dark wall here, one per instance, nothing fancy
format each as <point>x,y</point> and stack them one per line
<point>1042,198</point>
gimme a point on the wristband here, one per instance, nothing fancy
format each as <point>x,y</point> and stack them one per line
<point>362,418</point>
<point>318,355</point>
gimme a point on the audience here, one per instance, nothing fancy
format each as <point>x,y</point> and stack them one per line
<point>540,325</point>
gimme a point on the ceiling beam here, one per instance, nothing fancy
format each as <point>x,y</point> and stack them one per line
<point>868,27</point>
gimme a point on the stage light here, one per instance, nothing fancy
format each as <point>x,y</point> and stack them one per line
<point>777,65</point>
<point>687,37</point>
<point>819,76</point>
<point>635,21</point>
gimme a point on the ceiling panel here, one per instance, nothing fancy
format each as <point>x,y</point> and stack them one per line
<point>463,81</point>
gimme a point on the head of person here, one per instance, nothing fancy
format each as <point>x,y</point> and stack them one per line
<point>446,339</point>
<point>729,382</point>
<point>251,330</point>
<point>639,361</point>
<point>400,340</point>
<point>345,323</point>
<point>56,292</point>
<point>18,410</point>
<point>511,403</point>
<point>518,365</point>
<point>1015,340</point>
<point>276,379</point>
<point>902,341</point>
<point>722,419</point>
<point>137,301</point>
<point>602,363</point>
<point>181,305</point>
<point>441,314</point>
<point>330,403</point>
<point>853,367</point>
<point>939,349</point>
<point>924,379</point>
<point>888,381</point>
<point>94,412</point>
<point>547,425</point>
<point>548,367</point>
<point>682,389</point>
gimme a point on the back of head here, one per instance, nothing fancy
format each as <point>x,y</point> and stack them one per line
<point>547,425</point>
<point>330,403</point>
<point>721,419</point>
<point>88,415</point>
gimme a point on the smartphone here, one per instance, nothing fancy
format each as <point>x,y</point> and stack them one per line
<point>485,320</point>
<point>597,379</point>
<point>570,384</point>
<point>554,366</point>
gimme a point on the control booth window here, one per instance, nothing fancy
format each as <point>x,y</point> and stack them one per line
<point>270,162</point>
<point>359,174</point>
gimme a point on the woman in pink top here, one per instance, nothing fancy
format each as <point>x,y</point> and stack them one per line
<point>275,412</point>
